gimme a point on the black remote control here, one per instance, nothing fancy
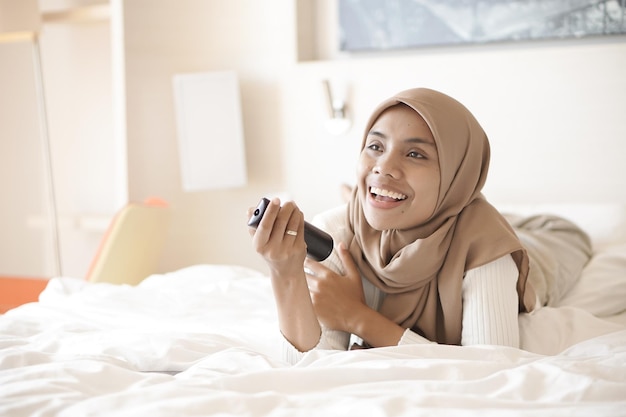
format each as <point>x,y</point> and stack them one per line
<point>319,244</point>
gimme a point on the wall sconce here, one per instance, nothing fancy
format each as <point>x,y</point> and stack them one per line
<point>210,130</point>
<point>338,122</point>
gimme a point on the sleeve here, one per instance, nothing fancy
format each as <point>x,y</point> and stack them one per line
<point>490,304</point>
<point>490,307</point>
<point>409,337</point>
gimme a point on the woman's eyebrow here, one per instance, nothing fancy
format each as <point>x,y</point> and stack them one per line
<point>409,140</point>
<point>376,133</point>
<point>420,140</point>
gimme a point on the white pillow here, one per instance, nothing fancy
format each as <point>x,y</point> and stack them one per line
<point>604,223</point>
<point>601,289</point>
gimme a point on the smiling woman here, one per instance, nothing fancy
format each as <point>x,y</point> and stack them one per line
<point>422,257</point>
<point>398,170</point>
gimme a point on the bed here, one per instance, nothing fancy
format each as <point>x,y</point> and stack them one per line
<point>203,340</point>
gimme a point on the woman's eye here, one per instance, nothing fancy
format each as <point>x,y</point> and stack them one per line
<point>373,147</point>
<point>415,154</point>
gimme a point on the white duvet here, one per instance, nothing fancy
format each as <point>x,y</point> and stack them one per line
<point>204,341</point>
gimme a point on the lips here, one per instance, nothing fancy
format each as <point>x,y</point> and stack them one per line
<point>381,194</point>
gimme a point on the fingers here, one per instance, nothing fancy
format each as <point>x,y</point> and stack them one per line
<point>349,265</point>
<point>249,214</point>
<point>263,230</point>
<point>280,228</point>
<point>295,224</point>
<point>288,218</point>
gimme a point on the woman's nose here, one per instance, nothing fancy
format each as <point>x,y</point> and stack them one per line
<point>387,164</point>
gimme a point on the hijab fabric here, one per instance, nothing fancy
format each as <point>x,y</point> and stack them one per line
<point>421,269</point>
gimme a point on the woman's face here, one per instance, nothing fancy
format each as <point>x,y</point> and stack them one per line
<point>398,170</point>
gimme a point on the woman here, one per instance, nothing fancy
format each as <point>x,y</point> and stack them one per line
<point>422,256</point>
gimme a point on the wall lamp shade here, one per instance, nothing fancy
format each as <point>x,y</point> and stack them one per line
<point>210,130</point>
<point>19,17</point>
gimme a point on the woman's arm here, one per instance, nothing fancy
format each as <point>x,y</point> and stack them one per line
<point>296,316</point>
<point>490,304</point>
<point>284,254</point>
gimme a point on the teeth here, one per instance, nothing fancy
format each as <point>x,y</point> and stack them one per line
<point>387,193</point>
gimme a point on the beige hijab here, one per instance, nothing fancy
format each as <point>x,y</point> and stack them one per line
<point>421,269</point>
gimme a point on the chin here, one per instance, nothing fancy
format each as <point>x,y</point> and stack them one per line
<point>375,222</point>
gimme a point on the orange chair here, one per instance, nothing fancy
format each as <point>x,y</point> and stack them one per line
<point>129,252</point>
<point>15,291</point>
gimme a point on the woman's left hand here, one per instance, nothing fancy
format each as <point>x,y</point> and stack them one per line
<point>338,299</point>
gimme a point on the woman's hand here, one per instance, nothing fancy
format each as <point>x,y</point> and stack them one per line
<point>279,238</point>
<point>339,303</point>
<point>338,299</point>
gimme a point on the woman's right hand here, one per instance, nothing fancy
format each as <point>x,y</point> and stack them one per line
<point>283,252</point>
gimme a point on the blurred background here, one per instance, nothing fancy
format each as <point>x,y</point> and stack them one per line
<point>555,112</point>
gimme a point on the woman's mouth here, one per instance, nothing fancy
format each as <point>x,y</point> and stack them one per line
<point>380,194</point>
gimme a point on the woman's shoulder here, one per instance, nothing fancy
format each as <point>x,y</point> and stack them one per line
<point>332,218</point>
<point>481,217</point>
<point>334,221</point>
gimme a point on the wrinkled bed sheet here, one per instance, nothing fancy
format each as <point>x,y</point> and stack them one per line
<point>204,341</point>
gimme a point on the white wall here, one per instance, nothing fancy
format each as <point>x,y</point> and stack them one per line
<point>253,38</point>
<point>554,113</point>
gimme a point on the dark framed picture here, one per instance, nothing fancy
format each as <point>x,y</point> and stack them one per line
<point>376,25</point>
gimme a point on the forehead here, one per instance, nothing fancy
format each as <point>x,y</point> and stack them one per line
<point>402,120</point>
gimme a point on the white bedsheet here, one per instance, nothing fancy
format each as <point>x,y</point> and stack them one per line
<point>203,341</point>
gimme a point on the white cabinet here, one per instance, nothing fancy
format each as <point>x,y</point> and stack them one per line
<point>75,43</point>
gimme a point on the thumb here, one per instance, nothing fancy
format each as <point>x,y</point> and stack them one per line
<point>349,265</point>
